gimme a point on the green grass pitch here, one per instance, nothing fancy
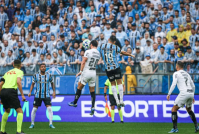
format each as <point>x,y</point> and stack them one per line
<point>100,128</point>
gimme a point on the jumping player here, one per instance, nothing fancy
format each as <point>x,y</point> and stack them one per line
<point>88,74</point>
<point>185,97</point>
<point>109,53</point>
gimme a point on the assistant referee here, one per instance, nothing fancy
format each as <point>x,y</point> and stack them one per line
<point>9,96</point>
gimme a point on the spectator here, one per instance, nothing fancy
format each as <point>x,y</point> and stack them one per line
<point>107,32</point>
<point>195,60</point>
<point>7,34</point>
<point>21,55</point>
<point>37,36</point>
<point>3,59</point>
<point>3,16</point>
<point>62,11</point>
<point>138,44</point>
<point>162,55</point>
<point>181,34</point>
<point>148,48</point>
<point>134,36</point>
<point>193,38</point>
<point>196,45</point>
<point>17,29</point>
<point>159,33</point>
<point>41,49</point>
<point>41,59</point>
<point>139,56</point>
<point>189,55</point>
<point>180,55</point>
<point>62,57</point>
<point>11,11</point>
<point>121,35</point>
<point>22,35</point>
<point>176,48</point>
<point>36,22</point>
<point>49,60</point>
<point>12,41</point>
<point>6,48</point>
<point>131,81</point>
<point>28,19</point>
<point>155,53</point>
<point>53,8</point>
<point>184,45</point>
<point>10,58</point>
<point>171,33</point>
<point>29,47</point>
<point>85,35</point>
<point>171,59</point>
<point>127,45</point>
<point>188,31</point>
<point>27,61</point>
<point>34,56</point>
<point>72,62</point>
<point>146,37</point>
<point>102,40</point>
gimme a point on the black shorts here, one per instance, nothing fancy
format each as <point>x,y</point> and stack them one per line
<point>9,98</point>
<point>112,99</point>
<point>38,101</point>
<point>114,74</point>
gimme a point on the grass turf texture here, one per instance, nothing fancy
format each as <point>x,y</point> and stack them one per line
<point>100,128</point>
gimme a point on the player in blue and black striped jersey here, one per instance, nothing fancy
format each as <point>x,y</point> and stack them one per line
<point>109,53</point>
<point>42,80</point>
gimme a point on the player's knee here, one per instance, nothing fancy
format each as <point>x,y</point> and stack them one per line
<point>19,110</point>
<point>113,83</point>
<point>188,109</point>
<point>173,109</point>
<point>7,110</point>
<point>119,81</point>
<point>112,107</point>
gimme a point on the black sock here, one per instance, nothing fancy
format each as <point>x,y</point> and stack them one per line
<point>93,99</point>
<point>174,119</point>
<point>77,95</point>
<point>193,117</point>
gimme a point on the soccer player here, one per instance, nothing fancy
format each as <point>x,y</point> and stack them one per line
<point>109,53</point>
<point>88,74</point>
<point>112,100</point>
<point>186,96</point>
<point>42,80</point>
<point>9,96</point>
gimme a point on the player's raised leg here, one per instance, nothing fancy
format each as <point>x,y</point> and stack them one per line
<point>92,92</point>
<point>191,114</point>
<point>121,91</point>
<point>77,95</point>
<point>114,90</point>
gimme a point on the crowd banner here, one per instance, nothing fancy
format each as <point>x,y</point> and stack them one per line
<point>56,70</point>
<point>138,108</point>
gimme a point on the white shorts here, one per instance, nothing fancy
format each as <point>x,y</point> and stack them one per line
<point>184,99</point>
<point>88,77</point>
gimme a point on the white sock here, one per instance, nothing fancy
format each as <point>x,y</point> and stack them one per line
<point>50,112</point>
<point>33,114</point>
<point>120,89</point>
<point>114,90</point>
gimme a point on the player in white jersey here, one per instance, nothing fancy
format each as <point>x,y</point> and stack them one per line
<point>88,74</point>
<point>185,97</point>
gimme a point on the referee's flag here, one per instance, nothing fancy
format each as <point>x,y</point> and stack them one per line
<point>107,109</point>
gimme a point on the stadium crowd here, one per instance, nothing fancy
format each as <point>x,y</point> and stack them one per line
<point>160,32</point>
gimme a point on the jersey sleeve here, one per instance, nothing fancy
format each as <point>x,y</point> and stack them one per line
<point>118,50</point>
<point>107,82</point>
<point>20,74</point>
<point>50,79</point>
<point>34,80</point>
<point>175,77</point>
<point>86,54</point>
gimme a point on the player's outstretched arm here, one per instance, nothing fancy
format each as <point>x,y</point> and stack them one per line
<point>31,88</point>
<point>127,54</point>
<point>175,76</point>
<point>20,88</point>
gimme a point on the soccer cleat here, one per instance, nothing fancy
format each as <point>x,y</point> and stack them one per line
<point>21,132</point>
<point>122,122</point>
<point>173,130</point>
<point>72,104</point>
<point>31,126</point>
<point>197,129</point>
<point>122,105</point>
<point>113,122</point>
<point>118,106</point>
<point>51,126</point>
<point>3,133</point>
<point>92,111</point>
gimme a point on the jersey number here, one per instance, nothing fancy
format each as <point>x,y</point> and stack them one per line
<point>186,79</point>
<point>11,72</point>
<point>93,62</point>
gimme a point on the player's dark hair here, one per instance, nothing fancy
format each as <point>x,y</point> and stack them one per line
<point>42,64</point>
<point>17,63</point>
<point>112,39</point>
<point>94,43</point>
<point>180,64</point>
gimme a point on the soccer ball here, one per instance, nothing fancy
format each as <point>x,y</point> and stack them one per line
<point>86,44</point>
